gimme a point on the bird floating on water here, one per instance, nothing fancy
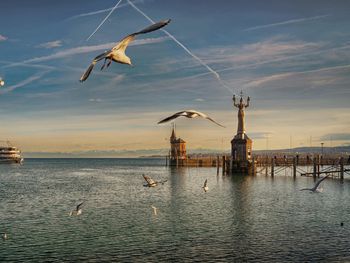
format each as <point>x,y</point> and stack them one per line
<point>117,53</point>
<point>314,189</point>
<point>78,210</point>
<point>4,236</point>
<point>189,114</point>
<point>205,186</point>
<point>150,182</point>
<point>2,82</point>
<point>154,210</point>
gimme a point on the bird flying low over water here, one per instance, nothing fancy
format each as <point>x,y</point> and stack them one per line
<point>2,82</point>
<point>78,210</point>
<point>205,186</point>
<point>117,53</point>
<point>189,114</point>
<point>4,236</point>
<point>154,210</point>
<point>150,182</point>
<point>314,189</point>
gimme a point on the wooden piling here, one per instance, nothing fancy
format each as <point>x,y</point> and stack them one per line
<point>217,165</point>
<point>315,168</point>
<point>294,167</point>
<point>273,167</point>
<point>223,164</point>
<point>341,168</point>
<point>166,160</point>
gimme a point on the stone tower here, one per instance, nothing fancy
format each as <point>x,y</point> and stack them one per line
<point>241,144</point>
<point>177,147</point>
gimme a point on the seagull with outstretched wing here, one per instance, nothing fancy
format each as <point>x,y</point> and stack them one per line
<point>189,114</point>
<point>78,210</point>
<point>314,189</point>
<point>150,182</point>
<point>205,186</point>
<point>117,53</point>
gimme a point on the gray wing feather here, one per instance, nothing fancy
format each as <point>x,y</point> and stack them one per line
<point>319,181</point>
<point>93,63</point>
<point>153,27</point>
<point>79,206</point>
<point>174,116</point>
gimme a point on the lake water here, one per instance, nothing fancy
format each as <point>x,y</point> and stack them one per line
<point>240,219</point>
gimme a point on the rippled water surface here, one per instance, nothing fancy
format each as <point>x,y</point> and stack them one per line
<point>254,219</point>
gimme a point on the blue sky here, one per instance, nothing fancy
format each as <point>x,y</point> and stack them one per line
<point>291,57</point>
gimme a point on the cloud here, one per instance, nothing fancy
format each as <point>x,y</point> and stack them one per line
<point>2,38</point>
<point>24,82</point>
<point>276,77</point>
<point>51,44</point>
<point>259,135</point>
<point>95,100</point>
<point>336,137</point>
<point>86,49</point>
<point>101,11</point>
<point>288,22</point>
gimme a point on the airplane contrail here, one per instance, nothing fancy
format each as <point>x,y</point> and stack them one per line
<point>104,20</point>
<point>186,49</point>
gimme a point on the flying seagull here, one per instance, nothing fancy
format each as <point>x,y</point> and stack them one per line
<point>150,182</point>
<point>205,187</point>
<point>117,53</point>
<point>78,210</point>
<point>314,189</point>
<point>188,114</point>
<point>154,210</point>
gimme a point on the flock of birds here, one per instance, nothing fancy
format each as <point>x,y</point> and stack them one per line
<point>149,182</point>
<point>117,54</point>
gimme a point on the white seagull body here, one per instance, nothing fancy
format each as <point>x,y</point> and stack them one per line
<point>78,210</point>
<point>4,236</point>
<point>189,114</point>
<point>205,186</point>
<point>154,210</point>
<point>117,53</point>
<point>150,182</point>
<point>314,189</point>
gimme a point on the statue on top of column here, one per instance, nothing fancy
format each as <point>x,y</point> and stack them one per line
<point>241,105</point>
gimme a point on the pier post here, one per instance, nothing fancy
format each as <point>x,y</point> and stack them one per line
<point>166,160</point>
<point>273,166</point>
<point>294,167</point>
<point>253,166</point>
<point>217,165</point>
<point>266,165</point>
<point>342,169</point>
<point>318,166</point>
<point>223,164</point>
<point>315,168</point>
<point>177,161</point>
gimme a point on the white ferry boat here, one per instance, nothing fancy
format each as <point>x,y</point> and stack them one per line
<point>9,154</point>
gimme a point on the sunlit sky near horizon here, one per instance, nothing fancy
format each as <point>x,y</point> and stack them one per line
<point>291,57</point>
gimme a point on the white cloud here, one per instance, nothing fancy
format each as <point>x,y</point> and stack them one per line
<point>51,44</point>
<point>321,80</point>
<point>288,22</point>
<point>95,100</point>
<point>102,10</point>
<point>87,49</point>
<point>2,38</point>
<point>24,82</point>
